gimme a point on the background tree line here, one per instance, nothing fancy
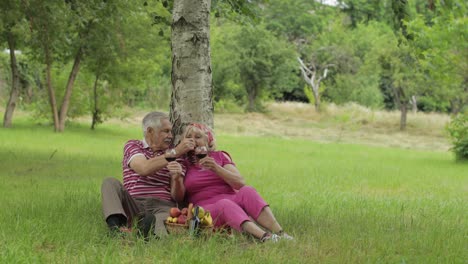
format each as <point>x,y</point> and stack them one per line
<point>97,57</point>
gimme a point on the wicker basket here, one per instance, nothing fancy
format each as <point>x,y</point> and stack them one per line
<point>180,229</point>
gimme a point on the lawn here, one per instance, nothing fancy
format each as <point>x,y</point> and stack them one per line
<point>344,203</point>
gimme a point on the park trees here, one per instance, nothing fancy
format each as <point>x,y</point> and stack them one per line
<point>251,64</point>
<point>48,24</point>
<point>441,44</point>
<point>11,21</point>
<point>266,64</point>
<point>349,59</point>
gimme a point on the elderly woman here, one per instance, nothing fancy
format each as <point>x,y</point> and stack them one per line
<point>214,183</point>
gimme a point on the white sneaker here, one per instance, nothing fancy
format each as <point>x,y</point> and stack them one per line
<point>271,238</point>
<point>286,236</point>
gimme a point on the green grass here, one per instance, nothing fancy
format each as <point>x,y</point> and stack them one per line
<point>344,203</point>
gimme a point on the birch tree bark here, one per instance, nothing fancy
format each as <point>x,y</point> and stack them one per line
<point>192,90</point>
<point>313,78</point>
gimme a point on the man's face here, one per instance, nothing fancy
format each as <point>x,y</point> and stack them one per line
<point>160,138</point>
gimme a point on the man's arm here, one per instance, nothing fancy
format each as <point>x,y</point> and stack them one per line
<point>146,167</point>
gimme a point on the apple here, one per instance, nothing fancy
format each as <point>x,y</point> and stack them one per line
<point>174,220</point>
<point>174,212</point>
<point>169,219</point>
<point>184,211</point>
<point>181,219</point>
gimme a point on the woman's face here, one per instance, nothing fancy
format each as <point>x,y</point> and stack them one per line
<point>198,136</point>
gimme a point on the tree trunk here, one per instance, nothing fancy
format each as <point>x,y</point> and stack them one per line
<point>15,82</point>
<point>431,5</point>
<point>310,76</point>
<point>316,94</point>
<point>404,111</point>
<point>251,96</point>
<point>414,104</point>
<point>50,89</point>
<point>192,91</point>
<point>69,89</point>
<point>96,112</point>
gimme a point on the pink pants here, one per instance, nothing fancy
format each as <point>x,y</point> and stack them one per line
<point>233,210</point>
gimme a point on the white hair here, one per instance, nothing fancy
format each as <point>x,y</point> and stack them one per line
<point>153,120</point>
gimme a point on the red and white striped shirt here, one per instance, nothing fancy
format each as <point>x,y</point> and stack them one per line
<point>157,185</point>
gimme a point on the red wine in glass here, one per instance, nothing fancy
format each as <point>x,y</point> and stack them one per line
<point>170,155</point>
<point>169,159</point>
<point>201,155</point>
<point>201,152</point>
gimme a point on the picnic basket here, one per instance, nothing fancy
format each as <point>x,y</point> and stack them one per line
<point>182,229</point>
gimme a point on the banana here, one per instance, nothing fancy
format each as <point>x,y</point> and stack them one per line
<point>207,219</point>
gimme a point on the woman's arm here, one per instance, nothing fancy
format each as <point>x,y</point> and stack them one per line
<point>231,175</point>
<point>228,172</point>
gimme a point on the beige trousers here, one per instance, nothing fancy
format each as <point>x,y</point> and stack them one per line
<point>116,200</point>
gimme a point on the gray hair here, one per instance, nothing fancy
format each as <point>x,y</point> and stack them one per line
<point>153,120</point>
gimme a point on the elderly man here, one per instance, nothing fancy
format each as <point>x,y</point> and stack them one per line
<point>151,184</point>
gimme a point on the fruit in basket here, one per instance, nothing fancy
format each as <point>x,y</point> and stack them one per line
<point>175,219</point>
<point>182,219</point>
<point>184,211</point>
<point>169,219</point>
<point>174,212</point>
<point>207,220</point>
<point>201,212</point>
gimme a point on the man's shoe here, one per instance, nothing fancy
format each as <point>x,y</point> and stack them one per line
<point>145,225</point>
<point>121,231</point>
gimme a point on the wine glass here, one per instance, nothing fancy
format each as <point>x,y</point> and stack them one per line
<point>170,155</point>
<point>201,152</point>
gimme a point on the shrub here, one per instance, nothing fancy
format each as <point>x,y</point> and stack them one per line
<point>227,106</point>
<point>458,132</point>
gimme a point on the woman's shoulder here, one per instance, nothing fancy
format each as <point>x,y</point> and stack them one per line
<point>222,155</point>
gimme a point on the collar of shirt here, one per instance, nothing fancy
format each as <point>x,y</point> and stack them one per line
<point>145,145</point>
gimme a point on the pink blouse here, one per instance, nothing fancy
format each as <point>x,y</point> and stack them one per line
<point>203,186</point>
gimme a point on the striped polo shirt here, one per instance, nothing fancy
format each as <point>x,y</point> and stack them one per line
<point>157,185</point>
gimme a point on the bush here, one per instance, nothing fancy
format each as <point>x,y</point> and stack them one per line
<point>227,106</point>
<point>458,132</point>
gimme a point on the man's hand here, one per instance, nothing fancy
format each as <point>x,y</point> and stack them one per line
<point>175,169</point>
<point>185,145</point>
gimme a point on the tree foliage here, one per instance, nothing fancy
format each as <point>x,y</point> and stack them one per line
<point>458,132</point>
<point>252,59</point>
<point>383,53</point>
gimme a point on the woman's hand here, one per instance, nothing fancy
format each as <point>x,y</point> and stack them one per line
<point>228,173</point>
<point>209,163</point>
